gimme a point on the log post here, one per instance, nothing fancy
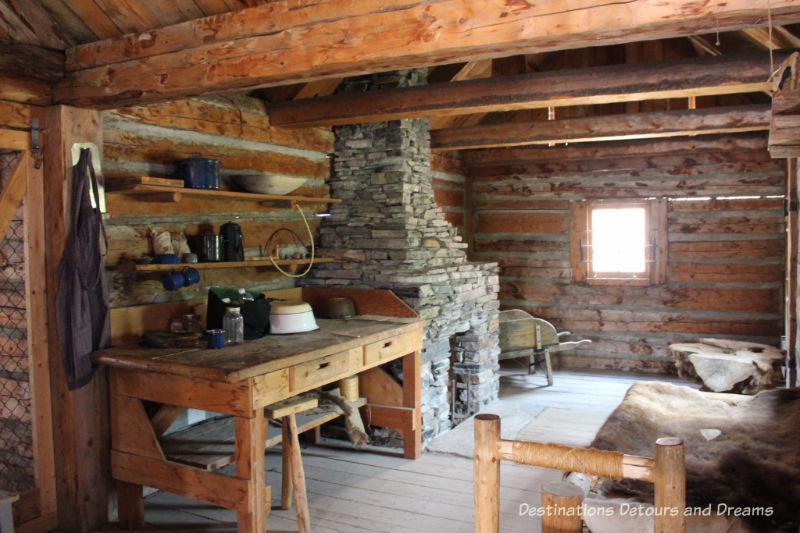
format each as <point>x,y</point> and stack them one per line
<point>487,474</point>
<point>670,486</point>
<point>562,508</point>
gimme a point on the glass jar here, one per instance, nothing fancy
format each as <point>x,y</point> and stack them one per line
<point>233,324</point>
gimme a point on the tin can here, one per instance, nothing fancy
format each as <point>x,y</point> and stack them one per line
<point>216,338</point>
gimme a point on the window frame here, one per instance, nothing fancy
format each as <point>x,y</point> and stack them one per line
<point>655,235</point>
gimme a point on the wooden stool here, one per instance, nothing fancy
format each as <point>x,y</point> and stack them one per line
<point>292,475</point>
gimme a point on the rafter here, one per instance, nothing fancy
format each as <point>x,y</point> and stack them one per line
<point>595,85</point>
<point>780,37</point>
<point>279,42</point>
<point>607,128</point>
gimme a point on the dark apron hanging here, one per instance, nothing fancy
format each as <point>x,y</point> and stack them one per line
<point>82,306</point>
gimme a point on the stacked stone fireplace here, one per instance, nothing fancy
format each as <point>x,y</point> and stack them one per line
<point>388,232</point>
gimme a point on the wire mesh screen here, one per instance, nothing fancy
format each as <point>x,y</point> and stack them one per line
<point>16,437</point>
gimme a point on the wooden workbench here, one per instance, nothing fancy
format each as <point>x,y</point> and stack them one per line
<point>240,381</point>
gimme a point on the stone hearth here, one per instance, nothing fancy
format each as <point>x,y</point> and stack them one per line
<point>388,232</point>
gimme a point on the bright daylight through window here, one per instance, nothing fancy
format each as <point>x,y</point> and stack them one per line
<point>618,237</point>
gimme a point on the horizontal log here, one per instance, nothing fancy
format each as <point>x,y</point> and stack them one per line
<point>607,128</point>
<point>166,149</point>
<point>448,197</point>
<point>756,185</point>
<point>676,298</point>
<point>448,162</point>
<point>723,273</point>
<point>767,223</point>
<point>133,241</point>
<point>731,204</point>
<point>231,119</point>
<point>673,165</point>
<point>588,86</point>
<point>455,219</point>
<point>521,222</point>
<point>599,362</point>
<point>724,146</point>
<point>26,61</point>
<point>532,204</point>
<point>15,115</point>
<point>751,249</point>
<point>25,90</point>
<point>281,42</point>
<point>676,324</point>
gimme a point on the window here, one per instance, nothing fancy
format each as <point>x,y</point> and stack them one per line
<point>619,242</point>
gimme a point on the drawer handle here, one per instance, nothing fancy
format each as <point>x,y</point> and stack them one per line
<point>323,365</point>
<point>387,344</point>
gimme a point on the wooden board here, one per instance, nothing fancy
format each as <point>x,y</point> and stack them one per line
<point>248,263</point>
<point>606,128</point>
<point>260,356</point>
<point>210,444</point>
<point>235,52</point>
<point>593,85</point>
<point>154,190</point>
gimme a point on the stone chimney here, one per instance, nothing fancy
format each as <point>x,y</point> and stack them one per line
<point>389,233</point>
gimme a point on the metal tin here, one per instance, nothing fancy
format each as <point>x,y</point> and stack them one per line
<point>198,172</point>
<point>216,339</point>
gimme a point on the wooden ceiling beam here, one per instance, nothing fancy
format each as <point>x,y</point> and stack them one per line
<point>587,86</point>
<point>607,128</point>
<point>714,144</point>
<point>281,42</point>
<point>27,73</point>
<point>780,38</point>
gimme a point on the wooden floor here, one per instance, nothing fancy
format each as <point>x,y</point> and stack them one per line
<point>365,491</point>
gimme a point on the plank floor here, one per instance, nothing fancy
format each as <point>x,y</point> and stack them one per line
<point>351,491</point>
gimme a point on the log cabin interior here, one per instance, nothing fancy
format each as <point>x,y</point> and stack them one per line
<point>473,179</point>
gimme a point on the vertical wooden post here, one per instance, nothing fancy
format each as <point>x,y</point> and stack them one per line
<point>562,508</point>
<point>298,475</point>
<point>39,371</point>
<point>412,438</point>
<point>487,474</point>
<point>670,486</point>
<point>286,469</point>
<point>80,417</point>
<point>131,505</point>
<point>251,440</point>
<point>792,274</point>
<point>469,218</point>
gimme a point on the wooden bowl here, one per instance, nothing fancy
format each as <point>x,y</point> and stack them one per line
<point>277,184</point>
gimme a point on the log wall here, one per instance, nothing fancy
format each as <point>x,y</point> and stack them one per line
<point>725,255</point>
<point>147,140</point>
<point>449,179</point>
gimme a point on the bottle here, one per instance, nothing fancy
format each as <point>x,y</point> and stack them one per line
<point>233,324</point>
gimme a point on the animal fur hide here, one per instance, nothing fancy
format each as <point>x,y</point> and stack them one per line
<point>752,460</point>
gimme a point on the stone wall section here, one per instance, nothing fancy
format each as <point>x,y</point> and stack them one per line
<point>388,232</point>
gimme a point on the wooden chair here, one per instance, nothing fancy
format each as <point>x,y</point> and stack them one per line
<point>667,472</point>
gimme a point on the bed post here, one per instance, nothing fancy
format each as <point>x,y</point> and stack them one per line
<point>670,486</point>
<point>487,474</point>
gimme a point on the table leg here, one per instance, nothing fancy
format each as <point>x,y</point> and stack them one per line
<point>412,437</point>
<point>130,505</point>
<point>297,474</point>
<point>251,437</point>
<point>286,469</point>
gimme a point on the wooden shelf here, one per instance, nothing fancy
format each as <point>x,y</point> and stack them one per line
<point>158,267</point>
<point>175,194</point>
<point>210,444</point>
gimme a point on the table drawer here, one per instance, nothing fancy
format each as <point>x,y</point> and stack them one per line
<point>391,348</point>
<point>320,371</point>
